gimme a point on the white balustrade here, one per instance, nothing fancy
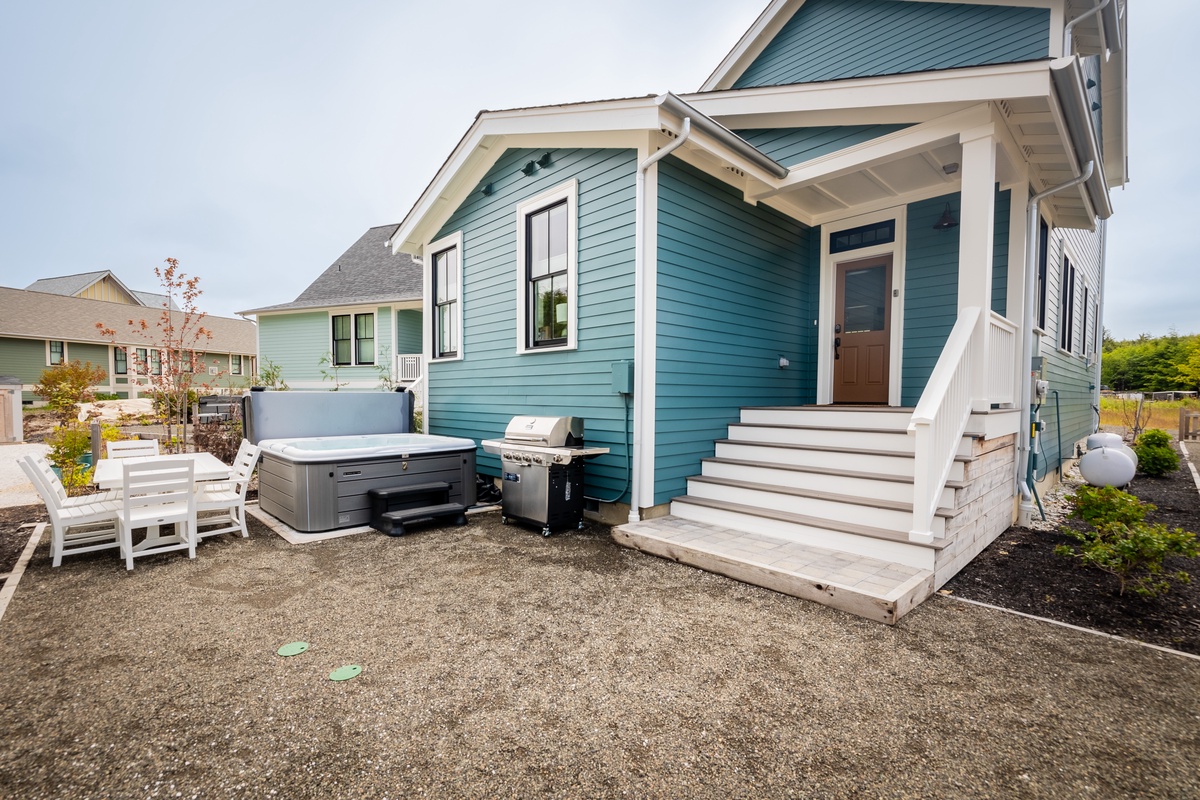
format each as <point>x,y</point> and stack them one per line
<point>408,367</point>
<point>1002,352</point>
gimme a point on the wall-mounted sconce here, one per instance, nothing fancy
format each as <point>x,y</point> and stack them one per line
<point>530,168</point>
<point>487,189</point>
<point>545,161</point>
<point>947,221</point>
<point>950,168</point>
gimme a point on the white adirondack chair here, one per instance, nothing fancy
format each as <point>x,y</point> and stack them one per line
<point>156,493</point>
<point>228,497</point>
<point>78,524</point>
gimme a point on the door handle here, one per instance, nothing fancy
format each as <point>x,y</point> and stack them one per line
<point>837,342</point>
<point>837,327</point>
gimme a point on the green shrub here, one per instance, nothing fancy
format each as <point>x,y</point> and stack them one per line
<point>65,386</point>
<point>166,404</point>
<point>1133,553</point>
<point>1156,456</point>
<point>107,396</point>
<point>68,443</point>
<point>1107,505</point>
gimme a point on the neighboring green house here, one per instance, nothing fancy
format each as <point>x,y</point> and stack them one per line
<point>800,306</point>
<point>55,321</point>
<point>355,327</point>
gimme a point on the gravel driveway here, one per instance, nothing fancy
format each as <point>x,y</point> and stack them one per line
<point>497,663</point>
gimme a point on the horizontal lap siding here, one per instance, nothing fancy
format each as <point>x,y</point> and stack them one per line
<point>833,39</point>
<point>24,359</point>
<point>295,343</point>
<point>477,396</point>
<point>734,294</point>
<point>931,285</point>
<point>791,146</point>
<point>408,331</point>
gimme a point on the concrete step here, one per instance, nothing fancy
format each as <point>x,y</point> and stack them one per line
<point>829,457</point>
<point>870,485</point>
<point>867,587</point>
<point>846,509</point>
<point>865,540</point>
<point>881,439</point>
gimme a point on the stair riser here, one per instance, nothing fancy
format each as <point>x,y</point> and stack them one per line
<point>898,552</point>
<point>849,513</point>
<point>800,457</point>
<point>834,437</point>
<point>854,486</point>
<point>894,420</point>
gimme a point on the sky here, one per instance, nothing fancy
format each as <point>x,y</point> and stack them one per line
<point>256,140</point>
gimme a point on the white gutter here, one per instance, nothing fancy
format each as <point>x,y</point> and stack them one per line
<point>1100,317</point>
<point>1067,76</point>
<point>726,137</point>
<point>641,310</point>
<point>1070,27</point>
<point>1031,242</point>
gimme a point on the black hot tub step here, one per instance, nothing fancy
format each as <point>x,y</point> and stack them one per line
<point>392,523</point>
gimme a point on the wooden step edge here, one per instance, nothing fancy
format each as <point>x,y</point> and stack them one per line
<point>876,409</point>
<point>841,473</point>
<point>861,602</point>
<point>833,497</point>
<point>823,448</point>
<point>815,522</point>
<point>787,426</point>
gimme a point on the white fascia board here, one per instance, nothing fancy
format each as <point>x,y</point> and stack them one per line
<point>490,135</point>
<point>1073,115</point>
<point>920,89</point>
<point>1114,108</point>
<point>885,148</point>
<point>752,43</point>
<point>897,115</point>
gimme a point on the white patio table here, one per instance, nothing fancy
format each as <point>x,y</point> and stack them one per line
<point>109,474</point>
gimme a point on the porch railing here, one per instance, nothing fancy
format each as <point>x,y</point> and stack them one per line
<point>939,420</point>
<point>408,367</point>
<point>1002,354</point>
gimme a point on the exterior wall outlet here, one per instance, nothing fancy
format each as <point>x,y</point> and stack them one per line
<point>622,377</point>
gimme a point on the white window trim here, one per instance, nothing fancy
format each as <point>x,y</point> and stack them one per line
<point>1068,254</point>
<point>66,358</point>
<point>568,191</point>
<point>454,240</point>
<point>825,313</point>
<point>352,311</point>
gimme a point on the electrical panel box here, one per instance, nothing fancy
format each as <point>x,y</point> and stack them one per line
<point>622,377</point>
<point>1038,367</point>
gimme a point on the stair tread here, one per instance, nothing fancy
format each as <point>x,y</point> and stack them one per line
<point>842,473</point>
<point>816,522</point>
<point>791,426</point>
<point>831,449</point>
<point>881,409</point>
<point>833,497</point>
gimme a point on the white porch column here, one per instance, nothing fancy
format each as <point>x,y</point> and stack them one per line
<point>976,231</point>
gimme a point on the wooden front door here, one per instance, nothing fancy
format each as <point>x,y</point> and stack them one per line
<point>862,330</point>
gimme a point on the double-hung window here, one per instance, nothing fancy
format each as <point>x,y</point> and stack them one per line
<point>156,362</point>
<point>120,361</point>
<point>1043,257</point>
<point>446,275</point>
<point>235,365</point>
<point>546,260</point>
<point>1066,312</point>
<point>58,353</point>
<point>141,361</point>
<point>353,339</point>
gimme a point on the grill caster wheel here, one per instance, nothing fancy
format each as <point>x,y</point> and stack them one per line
<point>503,520</point>
<point>546,531</point>
<point>579,527</point>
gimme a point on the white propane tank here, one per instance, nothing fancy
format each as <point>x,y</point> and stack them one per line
<point>1129,451</point>
<point>1107,466</point>
<point>1101,439</point>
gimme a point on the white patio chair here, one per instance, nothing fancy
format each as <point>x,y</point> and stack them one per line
<point>228,497</point>
<point>78,524</point>
<point>132,448</point>
<point>157,493</point>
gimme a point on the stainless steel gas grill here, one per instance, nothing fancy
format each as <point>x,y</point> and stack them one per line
<point>542,461</point>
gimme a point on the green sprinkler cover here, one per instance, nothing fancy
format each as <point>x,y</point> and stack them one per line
<point>292,649</point>
<point>345,673</point>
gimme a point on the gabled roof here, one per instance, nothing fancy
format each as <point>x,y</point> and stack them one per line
<point>367,272</point>
<point>39,315</point>
<point>73,285</point>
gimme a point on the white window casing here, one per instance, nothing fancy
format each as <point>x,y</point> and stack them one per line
<point>567,192</point>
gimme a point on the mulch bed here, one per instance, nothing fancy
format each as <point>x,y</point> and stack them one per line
<point>1020,571</point>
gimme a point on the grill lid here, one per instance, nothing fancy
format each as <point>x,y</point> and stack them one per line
<point>545,431</point>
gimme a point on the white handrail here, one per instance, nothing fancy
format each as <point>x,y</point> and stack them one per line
<point>939,421</point>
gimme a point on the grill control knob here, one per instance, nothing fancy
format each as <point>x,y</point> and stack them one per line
<point>558,459</point>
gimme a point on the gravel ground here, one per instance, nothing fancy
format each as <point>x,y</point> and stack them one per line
<point>497,663</point>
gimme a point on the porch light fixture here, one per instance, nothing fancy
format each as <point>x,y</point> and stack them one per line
<point>1091,84</point>
<point>487,189</point>
<point>545,161</point>
<point>947,221</point>
<point>950,168</point>
<point>530,168</point>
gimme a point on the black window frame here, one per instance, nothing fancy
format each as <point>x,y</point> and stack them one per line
<point>235,364</point>
<point>445,302</point>
<point>1042,271</point>
<point>120,361</point>
<point>360,339</point>
<point>347,338</point>
<point>531,283</point>
<point>62,352</point>
<point>141,360</point>
<point>843,241</point>
<point>1066,316</point>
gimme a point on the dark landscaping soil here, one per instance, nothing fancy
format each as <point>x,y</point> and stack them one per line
<point>1020,571</point>
<point>12,537</point>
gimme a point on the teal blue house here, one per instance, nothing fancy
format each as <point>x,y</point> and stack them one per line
<point>357,327</point>
<point>839,274</point>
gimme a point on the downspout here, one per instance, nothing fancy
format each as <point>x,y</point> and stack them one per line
<point>1070,26</point>
<point>1100,319</point>
<point>1023,480</point>
<point>640,310</point>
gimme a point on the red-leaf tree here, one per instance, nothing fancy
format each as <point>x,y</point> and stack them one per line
<point>174,344</point>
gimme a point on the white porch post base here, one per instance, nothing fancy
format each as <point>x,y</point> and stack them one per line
<point>920,538</point>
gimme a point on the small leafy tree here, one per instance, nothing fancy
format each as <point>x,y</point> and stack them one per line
<point>66,386</point>
<point>329,371</point>
<point>385,366</point>
<point>174,342</point>
<point>1156,457</point>
<point>270,375</point>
